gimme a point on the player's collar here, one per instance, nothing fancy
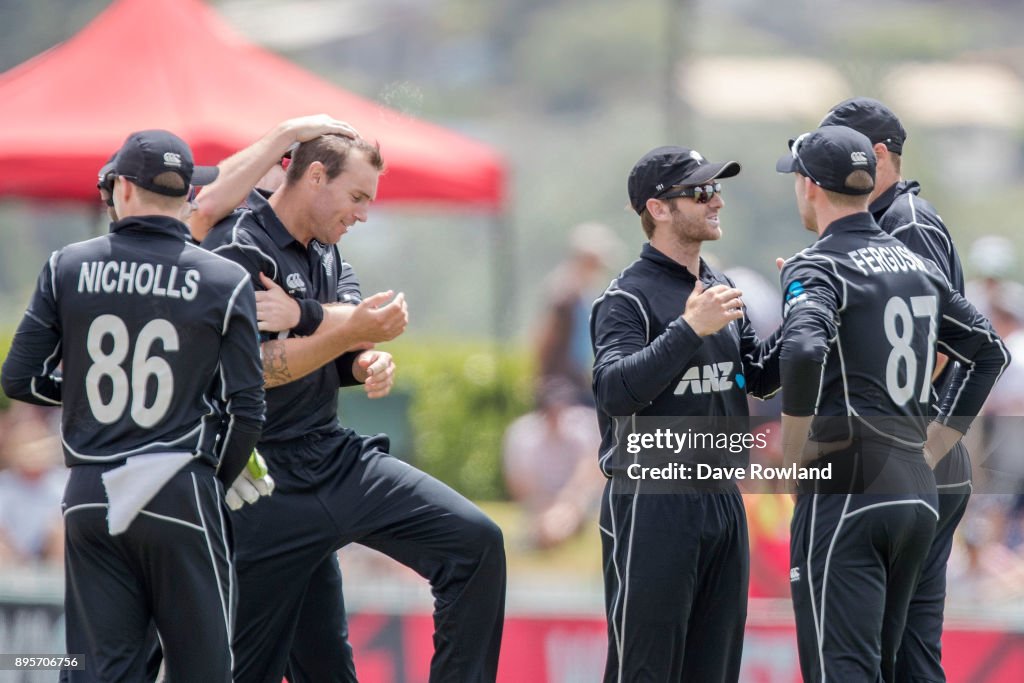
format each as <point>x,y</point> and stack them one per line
<point>650,253</point>
<point>268,218</point>
<point>164,225</point>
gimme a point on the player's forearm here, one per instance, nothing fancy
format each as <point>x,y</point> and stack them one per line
<point>286,360</point>
<point>795,431</point>
<point>32,350</point>
<point>239,173</point>
<point>632,382</point>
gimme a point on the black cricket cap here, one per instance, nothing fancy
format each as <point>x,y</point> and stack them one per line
<point>829,156</point>
<point>664,167</point>
<point>148,153</point>
<point>870,117</point>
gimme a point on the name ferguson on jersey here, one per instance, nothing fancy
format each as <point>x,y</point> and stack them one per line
<point>129,277</point>
<point>886,260</point>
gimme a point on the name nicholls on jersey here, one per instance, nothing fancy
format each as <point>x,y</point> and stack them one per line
<point>897,259</point>
<point>129,277</point>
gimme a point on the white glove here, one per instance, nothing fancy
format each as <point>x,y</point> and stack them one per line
<point>254,481</point>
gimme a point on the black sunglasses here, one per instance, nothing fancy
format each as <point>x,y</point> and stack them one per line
<point>701,194</point>
<point>795,151</point>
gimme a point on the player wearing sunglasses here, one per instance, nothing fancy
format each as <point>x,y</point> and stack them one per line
<point>671,340</point>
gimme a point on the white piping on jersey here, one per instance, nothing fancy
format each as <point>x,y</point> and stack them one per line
<point>619,630</point>
<point>246,247</point>
<point>47,371</point>
<point>911,501</point>
<point>83,506</point>
<point>231,565</point>
<point>213,563</point>
<point>824,585</point>
<point>953,352</point>
<point>624,585</point>
<point>807,253</point>
<point>926,226</point>
<point>30,314</point>
<point>618,576</point>
<point>810,585</point>
<point>231,303</point>
<point>967,483</point>
<point>613,290</point>
<point>970,364</point>
<point>173,520</point>
<point>134,451</point>
<point>53,274</point>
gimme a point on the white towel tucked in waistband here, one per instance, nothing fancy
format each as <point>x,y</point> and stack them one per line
<point>132,485</point>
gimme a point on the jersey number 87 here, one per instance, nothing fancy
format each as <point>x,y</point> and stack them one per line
<point>901,340</point>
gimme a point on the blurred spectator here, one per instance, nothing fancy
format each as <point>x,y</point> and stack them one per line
<point>550,465</point>
<point>563,339</point>
<point>769,512</point>
<point>993,264</point>
<point>983,568</point>
<point>31,487</point>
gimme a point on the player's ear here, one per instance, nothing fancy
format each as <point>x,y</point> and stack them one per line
<point>657,208</point>
<point>316,173</point>
<point>881,151</point>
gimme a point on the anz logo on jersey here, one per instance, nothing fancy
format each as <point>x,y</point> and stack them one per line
<point>708,379</point>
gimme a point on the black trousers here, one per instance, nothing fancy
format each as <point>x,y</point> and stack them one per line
<point>919,659</point>
<point>855,563</point>
<point>676,571</point>
<point>342,488</point>
<point>171,568</point>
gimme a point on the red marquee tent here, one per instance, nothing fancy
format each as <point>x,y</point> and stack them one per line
<point>175,64</point>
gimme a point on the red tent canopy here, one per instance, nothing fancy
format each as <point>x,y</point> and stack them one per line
<point>174,64</point>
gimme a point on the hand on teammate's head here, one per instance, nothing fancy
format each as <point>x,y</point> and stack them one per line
<point>308,127</point>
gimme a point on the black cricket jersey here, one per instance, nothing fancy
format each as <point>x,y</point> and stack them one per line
<point>255,238</point>
<point>904,214</point>
<point>156,342</point>
<point>649,362</point>
<point>861,303</point>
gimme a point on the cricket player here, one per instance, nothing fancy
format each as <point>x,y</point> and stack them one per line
<point>863,315</point>
<point>671,339</point>
<point>334,486</point>
<point>899,209</point>
<point>157,342</point>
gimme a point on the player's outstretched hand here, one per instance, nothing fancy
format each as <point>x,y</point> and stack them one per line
<point>305,128</point>
<point>709,310</point>
<point>376,370</point>
<point>254,482</point>
<point>380,318</point>
<point>275,310</point>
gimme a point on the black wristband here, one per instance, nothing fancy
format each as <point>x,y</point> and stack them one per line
<point>311,314</point>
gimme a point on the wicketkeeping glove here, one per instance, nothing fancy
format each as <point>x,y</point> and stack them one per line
<point>254,481</point>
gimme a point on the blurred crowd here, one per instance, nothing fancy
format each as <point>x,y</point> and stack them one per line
<point>549,454</point>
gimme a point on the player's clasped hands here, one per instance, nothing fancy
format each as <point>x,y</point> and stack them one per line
<point>709,310</point>
<point>376,370</point>
<point>380,318</point>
